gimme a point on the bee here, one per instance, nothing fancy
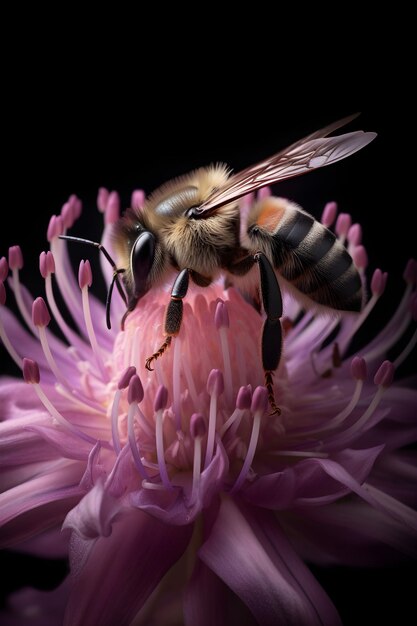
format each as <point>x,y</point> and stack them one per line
<point>190,229</point>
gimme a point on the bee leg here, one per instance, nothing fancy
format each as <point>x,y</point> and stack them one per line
<point>272,331</point>
<point>173,316</point>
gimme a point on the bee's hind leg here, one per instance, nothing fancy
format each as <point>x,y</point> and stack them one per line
<point>272,331</point>
<point>173,316</point>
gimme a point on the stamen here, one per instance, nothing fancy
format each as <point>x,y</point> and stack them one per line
<point>16,264</point>
<point>31,376</point>
<point>3,335</point>
<point>85,280</point>
<point>243,402</point>
<point>360,259</point>
<point>215,387</point>
<point>359,373</point>
<point>176,389</point>
<point>329,214</point>
<point>198,430</point>
<point>378,283</point>
<point>221,318</point>
<point>258,408</point>
<point>102,199</point>
<point>47,268</point>
<point>122,384</point>
<point>64,272</point>
<point>138,199</point>
<point>134,396</point>
<point>41,319</point>
<point>354,235</point>
<point>383,379</point>
<point>161,400</point>
<point>343,223</point>
<point>4,269</point>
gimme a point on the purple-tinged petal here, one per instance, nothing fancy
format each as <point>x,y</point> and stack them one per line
<point>68,445</point>
<point>172,506</point>
<point>209,601</point>
<point>306,483</point>
<point>130,563</point>
<point>61,481</point>
<point>94,516</point>
<point>252,556</point>
<point>349,532</point>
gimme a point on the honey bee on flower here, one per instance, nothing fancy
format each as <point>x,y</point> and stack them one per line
<point>144,467</point>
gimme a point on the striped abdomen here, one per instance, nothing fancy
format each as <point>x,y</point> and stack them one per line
<point>307,254</point>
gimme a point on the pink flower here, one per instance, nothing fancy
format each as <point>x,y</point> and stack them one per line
<point>182,495</point>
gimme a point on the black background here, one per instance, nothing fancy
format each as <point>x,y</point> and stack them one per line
<point>73,128</point>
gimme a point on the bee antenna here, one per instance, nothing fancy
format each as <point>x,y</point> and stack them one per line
<point>116,272</point>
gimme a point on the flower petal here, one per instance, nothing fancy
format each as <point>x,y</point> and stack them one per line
<point>209,601</point>
<point>172,506</point>
<point>308,483</point>
<point>120,571</point>
<point>250,554</point>
<point>39,503</point>
<point>349,532</point>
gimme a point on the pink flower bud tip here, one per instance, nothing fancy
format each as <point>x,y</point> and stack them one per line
<point>55,227</point>
<point>329,214</point>
<point>385,374</point>
<point>343,223</point>
<point>112,212</point>
<point>4,269</point>
<point>15,258</point>
<point>46,263</point>
<point>31,373</point>
<point>244,398</point>
<point>198,426</point>
<point>161,398</point>
<point>358,368</point>
<point>138,199</point>
<point>360,257</point>
<point>378,282</point>
<point>67,214</point>
<point>221,316</point>
<point>102,198</point>
<point>135,392</point>
<point>259,400</point>
<point>126,376</point>
<point>40,313</point>
<point>215,383</point>
<point>355,234</point>
<point>85,276</point>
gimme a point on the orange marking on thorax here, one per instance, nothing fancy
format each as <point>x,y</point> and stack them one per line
<point>270,217</point>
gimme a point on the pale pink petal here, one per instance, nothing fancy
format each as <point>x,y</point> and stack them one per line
<point>251,555</point>
<point>131,562</point>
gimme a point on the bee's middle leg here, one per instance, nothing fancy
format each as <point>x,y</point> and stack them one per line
<point>272,330</point>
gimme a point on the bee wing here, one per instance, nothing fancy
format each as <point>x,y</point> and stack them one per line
<point>314,151</point>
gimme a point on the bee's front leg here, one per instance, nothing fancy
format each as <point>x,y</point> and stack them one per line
<point>173,316</point>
